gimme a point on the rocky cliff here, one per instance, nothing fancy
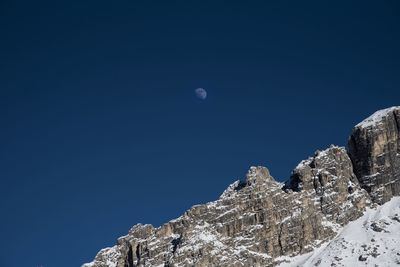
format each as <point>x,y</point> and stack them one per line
<point>261,222</point>
<point>374,147</point>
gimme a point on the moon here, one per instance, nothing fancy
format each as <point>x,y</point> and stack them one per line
<point>200,93</point>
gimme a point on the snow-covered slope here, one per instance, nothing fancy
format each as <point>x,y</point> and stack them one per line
<point>371,240</point>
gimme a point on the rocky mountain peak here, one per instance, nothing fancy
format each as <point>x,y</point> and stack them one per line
<point>311,171</point>
<point>374,148</point>
<point>380,116</point>
<point>261,222</point>
<point>258,175</point>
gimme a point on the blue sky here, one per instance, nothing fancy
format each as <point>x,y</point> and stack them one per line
<point>101,129</point>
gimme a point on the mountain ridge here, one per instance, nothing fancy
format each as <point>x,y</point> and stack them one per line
<point>261,222</point>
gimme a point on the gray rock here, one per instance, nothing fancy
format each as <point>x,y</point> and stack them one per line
<point>374,148</point>
<point>329,176</point>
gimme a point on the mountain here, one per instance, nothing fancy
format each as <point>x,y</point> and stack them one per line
<point>339,207</point>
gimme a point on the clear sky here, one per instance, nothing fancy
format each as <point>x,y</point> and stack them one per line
<point>101,129</point>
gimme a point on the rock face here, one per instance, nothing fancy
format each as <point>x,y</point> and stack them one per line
<point>329,177</point>
<point>374,147</point>
<point>261,222</point>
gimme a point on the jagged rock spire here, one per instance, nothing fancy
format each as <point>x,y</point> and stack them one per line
<point>258,175</point>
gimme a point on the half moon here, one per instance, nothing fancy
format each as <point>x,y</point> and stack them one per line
<point>201,93</point>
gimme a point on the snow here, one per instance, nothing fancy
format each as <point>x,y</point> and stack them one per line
<point>376,117</point>
<point>204,234</point>
<point>303,163</point>
<point>110,257</point>
<point>230,190</point>
<point>372,240</point>
<point>318,155</point>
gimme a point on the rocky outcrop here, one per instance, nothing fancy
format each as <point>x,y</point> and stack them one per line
<point>374,147</point>
<point>329,177</point>
<point>261,222</point>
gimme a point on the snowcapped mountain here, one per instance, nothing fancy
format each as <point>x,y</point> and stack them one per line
<point>338,208</point>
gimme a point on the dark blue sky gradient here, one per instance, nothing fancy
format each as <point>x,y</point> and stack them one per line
<point>100,128</point>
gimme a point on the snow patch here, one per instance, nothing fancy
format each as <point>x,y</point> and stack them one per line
<point>377,117</point>
<point>107,255</point>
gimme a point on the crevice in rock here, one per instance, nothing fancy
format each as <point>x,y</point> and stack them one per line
<point>351,145</point>
<point>351,150</point>
<point>279,238</point>
<point>396,121</point>
<point>129,258</point>
<point>315,186</point>
<point>320,192</point>
<point>138,254</point>
<point>312,163</point>
<point>321,182</point>
<point>350,190</point>
<point>175,243</point>
<point>321,201</point>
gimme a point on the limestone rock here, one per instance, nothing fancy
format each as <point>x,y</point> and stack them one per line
<point>328,175</point>
<point>374,147</point>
